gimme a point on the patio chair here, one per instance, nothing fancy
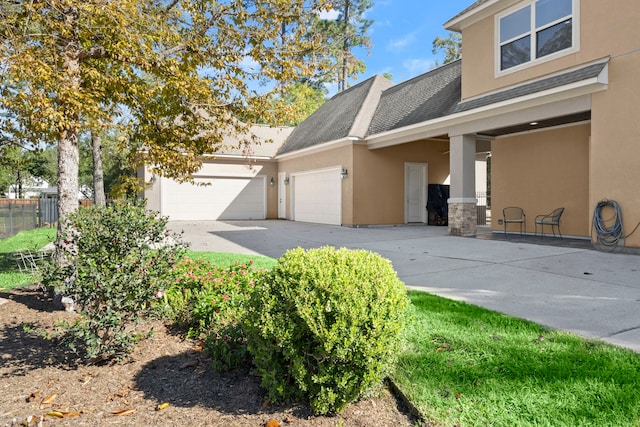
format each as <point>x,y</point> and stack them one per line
<point>514,215</point>
<point>552,219</point>
<point>29,262</point>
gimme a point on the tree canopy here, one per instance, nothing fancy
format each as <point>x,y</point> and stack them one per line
<point>451,46</point>
<point>341,36</point>
<point>177,73</point>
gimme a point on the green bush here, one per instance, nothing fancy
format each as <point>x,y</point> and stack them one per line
<point>123,262</point>
<point>211,302</point>
<point>325,325</point>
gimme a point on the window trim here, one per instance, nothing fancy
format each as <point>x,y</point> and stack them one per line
<point>533,31</point>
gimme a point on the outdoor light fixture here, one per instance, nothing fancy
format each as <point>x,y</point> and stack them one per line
<point>343,174</point>
<point>271,181</point>
<point>533,123</point>
<point>286,181</point>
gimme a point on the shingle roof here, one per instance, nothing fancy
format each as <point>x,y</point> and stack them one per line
<point>346,114</point>
<point>428,96</point>
<point>270,139</point>
<point>586,72</point>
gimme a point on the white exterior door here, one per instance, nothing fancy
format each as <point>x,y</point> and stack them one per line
<point>282,195</point>
<point>317,196</point>
<point>223,198</point>
<point>415,192</point>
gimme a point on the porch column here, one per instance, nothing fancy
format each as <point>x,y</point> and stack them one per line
<point>462,202</point>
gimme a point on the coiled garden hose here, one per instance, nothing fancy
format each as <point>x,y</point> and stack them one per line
<point>608,236</point>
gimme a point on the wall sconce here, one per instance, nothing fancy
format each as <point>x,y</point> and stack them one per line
<point>153,179</point>
<point>286,181</point>
<point>343,174</point>
<point>271,182</point>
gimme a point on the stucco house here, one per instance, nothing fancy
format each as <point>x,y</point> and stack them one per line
<point>548,87</point>
<point>237,185</point>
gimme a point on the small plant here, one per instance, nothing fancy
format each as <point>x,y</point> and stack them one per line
<point>211,301</point>
<point>124,254</point>
<point>325,325</point>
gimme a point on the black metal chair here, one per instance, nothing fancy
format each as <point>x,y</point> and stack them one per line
<point>514,215</point>
<point>552,219</point>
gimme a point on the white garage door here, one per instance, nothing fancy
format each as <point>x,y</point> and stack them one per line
<point>224,198</point>
<point>317,197</point>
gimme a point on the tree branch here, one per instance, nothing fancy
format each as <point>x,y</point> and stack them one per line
<point>94,53</point>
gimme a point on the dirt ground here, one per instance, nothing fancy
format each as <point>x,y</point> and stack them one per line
<point>38,376</point>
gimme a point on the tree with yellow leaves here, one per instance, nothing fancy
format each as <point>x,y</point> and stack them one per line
<point>177,73</point>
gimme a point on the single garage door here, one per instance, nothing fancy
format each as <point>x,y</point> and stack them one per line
<point>224,198</point>
<point>317,196</point>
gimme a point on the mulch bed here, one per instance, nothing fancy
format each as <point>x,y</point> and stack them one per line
<point>38,376</point>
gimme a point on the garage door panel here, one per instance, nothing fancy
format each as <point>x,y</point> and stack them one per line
<point>223,198</point>
<point>318,197</point>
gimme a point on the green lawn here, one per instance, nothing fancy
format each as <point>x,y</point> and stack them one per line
<point>466,366</point>
<point>225,258</point>
<point>10,275</point>
<point>462,365</point>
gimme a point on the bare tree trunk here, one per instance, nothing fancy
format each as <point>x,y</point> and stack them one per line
<point>99,198</point>
<point>68,154</point>
<point>345,49</point>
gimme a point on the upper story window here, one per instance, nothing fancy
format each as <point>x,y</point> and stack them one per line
<point>531,32</point>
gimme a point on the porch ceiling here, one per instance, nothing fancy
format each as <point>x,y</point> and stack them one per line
<point>537,125</point>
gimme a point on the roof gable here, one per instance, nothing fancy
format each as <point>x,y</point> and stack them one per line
<point>428,96</point>
<point>346,114</point>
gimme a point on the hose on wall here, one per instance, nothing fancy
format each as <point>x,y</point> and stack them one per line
<point>612,235</point>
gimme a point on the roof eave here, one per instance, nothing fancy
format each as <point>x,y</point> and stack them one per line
<point>442,125</point>
<point>484,10</point>
<point>350,140</point>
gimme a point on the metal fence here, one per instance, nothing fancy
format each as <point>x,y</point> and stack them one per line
<point>483,209</point>
<point>17,215</point>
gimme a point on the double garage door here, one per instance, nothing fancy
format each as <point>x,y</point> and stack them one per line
<point>225,198</point>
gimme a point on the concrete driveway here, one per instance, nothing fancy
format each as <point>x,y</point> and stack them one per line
<point>584,291</point>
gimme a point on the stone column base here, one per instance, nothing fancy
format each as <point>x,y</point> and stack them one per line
<point>462,219</point>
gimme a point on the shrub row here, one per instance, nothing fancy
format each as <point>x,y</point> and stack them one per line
<point>323,325</point>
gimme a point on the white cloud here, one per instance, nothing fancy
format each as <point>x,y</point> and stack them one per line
<point>329,15</point>
<point>418,66</point>
<point>403,42</point>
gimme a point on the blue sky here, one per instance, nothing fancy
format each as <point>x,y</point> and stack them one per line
<point>402,36</point>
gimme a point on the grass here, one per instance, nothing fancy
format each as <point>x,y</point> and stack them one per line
<point>226,258</point>
<point>10,276</point>
<point>466,366</point>
<point>462,365</point>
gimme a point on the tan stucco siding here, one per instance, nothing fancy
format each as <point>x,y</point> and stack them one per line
<point>606,29</point>
<point>542,171</point>
<point>615,142</point>
<point>378,183</point>
<point>341,156</point>
<point>270,170</point>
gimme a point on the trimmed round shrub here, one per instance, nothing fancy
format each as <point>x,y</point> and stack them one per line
<point>324,325</point>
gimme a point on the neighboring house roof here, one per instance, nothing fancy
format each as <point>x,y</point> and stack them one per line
<point>428,96</point>
<point>345,115</point>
